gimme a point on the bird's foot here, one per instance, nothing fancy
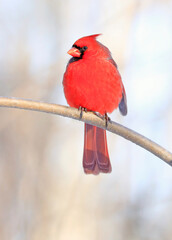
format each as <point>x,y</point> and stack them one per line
<point>107,119</point>
<point>103,117</point>
<point>82,109</point>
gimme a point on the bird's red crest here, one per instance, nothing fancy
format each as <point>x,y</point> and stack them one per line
<point>86,40</point>
<point>95,35</point>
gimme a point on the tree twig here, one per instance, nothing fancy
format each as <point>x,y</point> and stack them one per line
<point>91,119</point>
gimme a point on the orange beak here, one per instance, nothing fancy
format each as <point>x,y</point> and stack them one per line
<point>74,52</point>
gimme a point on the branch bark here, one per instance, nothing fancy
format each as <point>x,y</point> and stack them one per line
<point>91,119</point>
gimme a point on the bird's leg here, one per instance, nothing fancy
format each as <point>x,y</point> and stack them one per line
<point>103,117</point>
<point>82,109</point>
<point>107,119</point>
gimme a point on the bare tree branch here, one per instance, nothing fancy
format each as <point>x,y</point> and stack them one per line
<point>91,119</point>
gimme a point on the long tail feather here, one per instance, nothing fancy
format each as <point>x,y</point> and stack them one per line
<point>96,157</point>
<point>89,158</point>
<point>103,160</point>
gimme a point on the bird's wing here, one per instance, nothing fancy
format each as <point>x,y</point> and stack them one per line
<point>123,103</point>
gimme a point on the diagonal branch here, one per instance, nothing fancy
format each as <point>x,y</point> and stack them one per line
<point>91,119</point>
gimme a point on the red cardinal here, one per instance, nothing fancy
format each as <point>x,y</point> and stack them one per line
<point>92,81</point>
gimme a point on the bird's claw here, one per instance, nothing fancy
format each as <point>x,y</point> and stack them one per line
<point>82,109</point>
<point>103,117</point>
<point>107,119</point>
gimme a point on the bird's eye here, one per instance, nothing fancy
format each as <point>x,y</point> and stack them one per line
<point>84,48</point>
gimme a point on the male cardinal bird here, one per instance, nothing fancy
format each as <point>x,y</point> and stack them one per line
<point>92,82</point>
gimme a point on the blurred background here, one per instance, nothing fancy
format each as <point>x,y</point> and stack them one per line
<point>44,193</point>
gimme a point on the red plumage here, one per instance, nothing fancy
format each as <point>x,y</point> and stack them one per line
<point>92,81</point>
